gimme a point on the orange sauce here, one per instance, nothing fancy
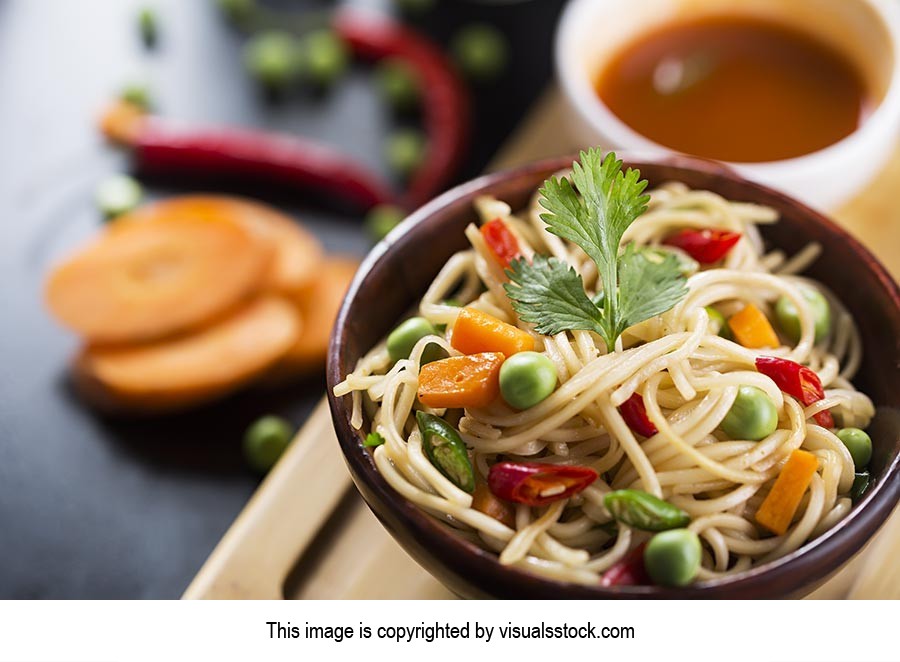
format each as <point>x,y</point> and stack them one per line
<point>736,89</point>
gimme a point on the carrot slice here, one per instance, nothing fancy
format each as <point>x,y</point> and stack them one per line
<point>318,305</point>
<point>778,508</point>
<point>461,381</point>
<point>298,254</point>
<point>144,280</point>
<point>752,329</point>
<point>190,369</point>
<point>475,332</point>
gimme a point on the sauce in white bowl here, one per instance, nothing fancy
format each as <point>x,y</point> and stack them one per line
<point>854,45</point>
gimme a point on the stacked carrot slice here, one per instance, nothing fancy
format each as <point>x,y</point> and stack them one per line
<point>190,299</point>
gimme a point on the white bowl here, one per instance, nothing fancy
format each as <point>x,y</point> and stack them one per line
<point>866,31</point>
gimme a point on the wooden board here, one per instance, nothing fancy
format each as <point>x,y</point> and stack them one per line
<point>307,534</point>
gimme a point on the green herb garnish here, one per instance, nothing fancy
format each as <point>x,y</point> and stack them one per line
<point>594,214</point>
<point>373,439</point>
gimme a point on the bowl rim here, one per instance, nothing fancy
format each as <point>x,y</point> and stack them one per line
<point>455,552</point>
<point>580,91</point>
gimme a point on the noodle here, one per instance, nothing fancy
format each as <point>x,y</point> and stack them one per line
<point>688,378</point>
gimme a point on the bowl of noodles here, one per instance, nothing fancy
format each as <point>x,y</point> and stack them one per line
<point>721,420</point>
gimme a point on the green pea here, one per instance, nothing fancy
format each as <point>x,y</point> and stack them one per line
<point>397,84</point>
<point>148,25</point>
<point>672,558</point>
<point>404,151</point>
<point>860,485</point>
<point>644,511</point>
<point>526,379</point>
<point>271,58</point>
<point>117,195</point>
<point>446,450</point>
<point>786,313</point>
<point>481,51</point>
<point>859,444</point>
<point>381,219</point>
<point>266,440</point>
<point>719,323</point>
<point>324,57</point>
<point>401,341</point>
<point>137,95</point>
<point>239,12</point>
<point>753,415</point>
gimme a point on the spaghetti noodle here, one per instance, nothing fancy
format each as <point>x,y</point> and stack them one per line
<point>687,375</point>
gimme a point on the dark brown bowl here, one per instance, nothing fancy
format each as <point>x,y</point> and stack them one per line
<point>396,273</point>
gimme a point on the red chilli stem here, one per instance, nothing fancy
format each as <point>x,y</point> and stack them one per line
<point>446,106</point>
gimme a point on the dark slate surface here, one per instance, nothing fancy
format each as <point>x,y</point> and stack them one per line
<point>97,508</point>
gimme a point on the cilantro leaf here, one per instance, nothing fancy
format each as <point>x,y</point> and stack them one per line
<point>593,211</point>
<point>609,202</point>
<point>550,294</point>
<point>652,284</point>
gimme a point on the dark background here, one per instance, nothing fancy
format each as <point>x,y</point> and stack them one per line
<point>92,507</point>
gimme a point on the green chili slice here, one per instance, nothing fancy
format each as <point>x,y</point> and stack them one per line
<point>446,451</point>
<point>373,439</point>
<point>860,485</point>
<point>644,511</point>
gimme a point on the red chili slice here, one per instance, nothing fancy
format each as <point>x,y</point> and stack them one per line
<point>797,381</point>
<point>629,571</point>
<point>537,483</point>
<point>635,415</point>
<point>706,246</point>
<point>501,241</point>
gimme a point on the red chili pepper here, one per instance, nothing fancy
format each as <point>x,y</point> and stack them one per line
<point>797,381</point>
<point>635,415</point>
<point>536,483</point>
<point>446,105</point>
<point>629,571</point>
<point>706,246</point>
<point>161,147</point>
<point>501,241</point>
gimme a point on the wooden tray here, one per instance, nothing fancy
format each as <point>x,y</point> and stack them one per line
<point>307,534</point>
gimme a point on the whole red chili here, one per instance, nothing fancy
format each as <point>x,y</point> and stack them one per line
<point>635,415</point>
<point>628,571</point>
<point>537,483</point>
<point>797,381</point>
<point>446,108</point>
<point>161,147</point>
<point>501,241</point>
<point>706,246</point>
